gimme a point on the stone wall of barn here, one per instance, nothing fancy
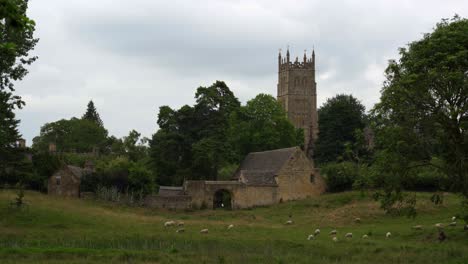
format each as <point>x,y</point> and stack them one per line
<point>250,196</point>
<point>298,179</point>
<point>67,186</point>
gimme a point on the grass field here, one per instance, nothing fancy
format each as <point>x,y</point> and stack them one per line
<point>58,230</point>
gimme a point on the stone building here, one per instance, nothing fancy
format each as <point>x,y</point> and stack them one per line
<point>66,181</point>
<point>297,93</point>
<point>263,178</point>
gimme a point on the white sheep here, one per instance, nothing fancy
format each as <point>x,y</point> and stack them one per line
<point>317,231</point>
<point>169,223</point>
<point>180,230</point>
<point>357,220</point>
<point>417,227</point>
<point>333,232</point>
<point>349,235</point>
<point>204,231</point>
<point>230,226</point>
<point>311,237</point>
<point>180,223</point>
<point>453,224</point>
<point>439,225</point>
<point>335,239</point>
<point>365,236</point>
<point>388,235</point>
<point>454,218</point>
<point>289,222</point>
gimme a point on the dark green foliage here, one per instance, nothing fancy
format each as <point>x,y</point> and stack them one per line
<point>192,142</point>
<point>92,114</point>
<point>74,135</point>
<point>339,118</point>
<point>120,173</point>
<point>16,41</point>
<point>340,176</point>
<point>9,135</point>
<point>425,101</point>
<point>423,113</point>
<point>262,125</point>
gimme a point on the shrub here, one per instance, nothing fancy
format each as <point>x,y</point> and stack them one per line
<point>340,176</point>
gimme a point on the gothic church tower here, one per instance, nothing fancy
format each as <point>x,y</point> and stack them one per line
<point>297,93</point>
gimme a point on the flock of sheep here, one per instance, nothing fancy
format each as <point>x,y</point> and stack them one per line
<point>333,233</point>
<point>181,228</point>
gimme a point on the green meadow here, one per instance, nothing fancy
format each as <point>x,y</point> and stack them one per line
<point>58,230</point>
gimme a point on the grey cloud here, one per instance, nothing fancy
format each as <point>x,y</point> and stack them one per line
<point>131,57</point>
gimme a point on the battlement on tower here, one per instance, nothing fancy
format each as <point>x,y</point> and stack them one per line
<point>305,63</point>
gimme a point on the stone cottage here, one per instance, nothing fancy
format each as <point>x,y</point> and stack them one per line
<point>263,178</point>
<point>66,181</point>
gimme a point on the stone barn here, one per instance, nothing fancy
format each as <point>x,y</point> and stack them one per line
<point>66,181</point>
<point>263,178</point>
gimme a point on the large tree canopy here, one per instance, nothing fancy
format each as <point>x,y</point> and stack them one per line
<point>262,125</point>
<point>192,141</point>
<point>16,41</point>
<point>78,135</point>
<point>424,102</point>
<point>339,118</point>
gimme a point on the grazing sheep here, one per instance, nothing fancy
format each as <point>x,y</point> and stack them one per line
<point>417,227</point>
<point>204,231</point>
<point>317,231</point>
<point>335,239</point>
<point>439,225</point>
<point>453,224</point>
<point>357,220</point>
<point>311,237</point>
<point>230,226</point>
<point>465,227</point>
<point>169,223</point>
<point>180,223</point>
<point>454,218</point>
<point>333,232</point>
<point>388,235</point>
<point>365,236</point>
<point>349,235</point>
<point>289,222</point>
<point>180,230</point>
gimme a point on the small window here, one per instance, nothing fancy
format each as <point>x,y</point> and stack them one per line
<point>312,178</point>
<point>57,180</point>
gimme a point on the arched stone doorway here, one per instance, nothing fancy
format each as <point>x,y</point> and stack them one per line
<point>222,199</point>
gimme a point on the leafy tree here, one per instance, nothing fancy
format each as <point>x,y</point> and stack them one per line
<point>424,103</point>
<point>78,135</point>
<point>9,135</point>
<point>192,141</point>
<point>339,118</point>
<point>16,41</point>
<point>134,146</point>
<point>92,114</point>
<point>262,125</point>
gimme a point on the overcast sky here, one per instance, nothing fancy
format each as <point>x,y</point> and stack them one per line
<point>131,57</point>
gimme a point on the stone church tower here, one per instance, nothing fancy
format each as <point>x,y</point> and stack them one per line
<point>297,93</point>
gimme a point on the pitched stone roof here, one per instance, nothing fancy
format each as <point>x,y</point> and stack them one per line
<point>253,177</point>
<point>260,168</point>
<point>77,171</point>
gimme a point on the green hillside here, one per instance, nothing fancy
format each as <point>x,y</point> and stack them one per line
<point>58,230</point>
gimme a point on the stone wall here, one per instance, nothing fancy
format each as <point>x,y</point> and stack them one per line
<point>298,179</point>
<point>67,186</point>
<point>168,202</point>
